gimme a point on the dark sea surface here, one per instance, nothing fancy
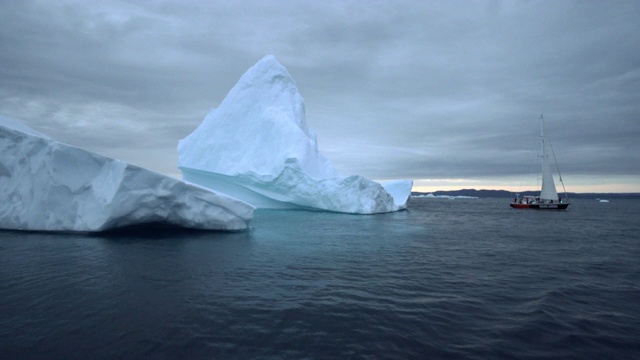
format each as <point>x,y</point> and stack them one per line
<point>467,279</point>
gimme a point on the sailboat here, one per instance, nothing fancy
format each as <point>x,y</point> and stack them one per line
<point>548,198</point>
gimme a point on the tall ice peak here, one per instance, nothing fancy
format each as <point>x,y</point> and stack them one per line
<point>256,146</point>
<point>258,127</point>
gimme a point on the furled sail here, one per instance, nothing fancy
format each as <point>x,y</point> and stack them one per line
<point>548,191</point>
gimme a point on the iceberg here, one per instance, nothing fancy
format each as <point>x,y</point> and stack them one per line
<point>46,185</point>
<point>256,147</point>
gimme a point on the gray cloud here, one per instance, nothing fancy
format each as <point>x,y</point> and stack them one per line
<point>421,90</point>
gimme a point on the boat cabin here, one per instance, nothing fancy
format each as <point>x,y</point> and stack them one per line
<point>528,199</point>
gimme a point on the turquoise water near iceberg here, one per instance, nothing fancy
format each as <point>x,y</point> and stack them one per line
<point>468,278</point>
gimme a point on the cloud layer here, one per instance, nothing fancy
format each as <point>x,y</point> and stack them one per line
<point>394,89</point>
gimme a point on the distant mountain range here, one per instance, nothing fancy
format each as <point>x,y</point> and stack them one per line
<point>508,194</point>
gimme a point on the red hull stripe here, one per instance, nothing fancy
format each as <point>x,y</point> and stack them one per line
<point>540,206</point>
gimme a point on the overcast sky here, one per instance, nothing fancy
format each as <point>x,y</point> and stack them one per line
<point>448,93</point>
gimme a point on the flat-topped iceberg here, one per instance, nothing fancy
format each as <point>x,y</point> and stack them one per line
<point>256,146</point>
<point>50,186</point>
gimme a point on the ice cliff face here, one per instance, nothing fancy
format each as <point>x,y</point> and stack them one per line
<point>47,185</point>
<point>256,146</point>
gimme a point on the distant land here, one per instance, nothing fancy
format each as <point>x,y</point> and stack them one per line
<point>508,194</point>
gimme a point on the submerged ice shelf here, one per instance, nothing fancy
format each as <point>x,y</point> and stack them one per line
<point>256,146</point>
<point>47,185</point>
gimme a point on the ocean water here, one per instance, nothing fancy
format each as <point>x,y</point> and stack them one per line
<point>461,279</point>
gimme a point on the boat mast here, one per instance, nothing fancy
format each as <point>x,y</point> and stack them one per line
<point>542,150</point>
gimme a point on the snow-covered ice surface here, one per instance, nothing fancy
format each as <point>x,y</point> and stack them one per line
<point>46,185</point>
<point>256,146</point>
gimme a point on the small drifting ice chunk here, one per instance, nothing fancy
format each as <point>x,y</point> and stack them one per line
<point>257,147</point>
<point>49,186</point>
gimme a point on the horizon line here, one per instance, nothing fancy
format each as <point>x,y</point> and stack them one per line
<point>521,191</point>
